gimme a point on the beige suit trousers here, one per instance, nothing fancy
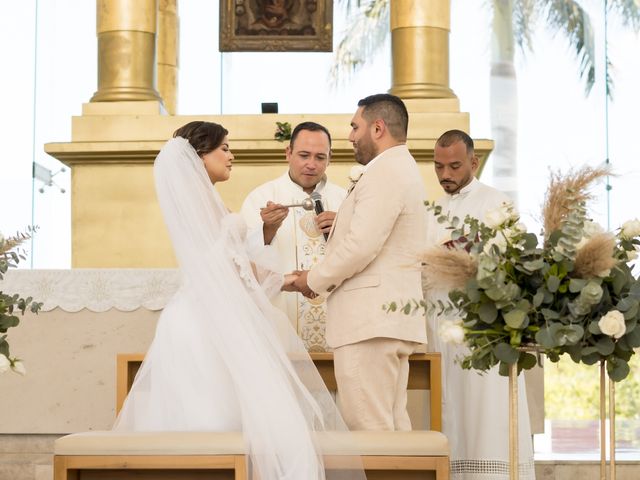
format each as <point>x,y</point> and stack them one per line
<point>372,378</point>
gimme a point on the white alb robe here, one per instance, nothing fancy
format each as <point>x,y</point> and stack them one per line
<point>475,407</point>
<point>299,244</point>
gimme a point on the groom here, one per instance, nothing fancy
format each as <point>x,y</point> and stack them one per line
<point>372,258</point>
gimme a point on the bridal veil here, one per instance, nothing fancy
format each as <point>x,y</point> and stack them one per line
<point>223,357</point>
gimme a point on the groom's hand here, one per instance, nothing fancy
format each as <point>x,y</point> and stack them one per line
<point>301,285</point>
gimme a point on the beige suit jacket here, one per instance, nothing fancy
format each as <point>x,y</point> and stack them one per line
<point>372,256</point>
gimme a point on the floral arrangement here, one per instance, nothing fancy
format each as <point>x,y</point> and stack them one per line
<point>572,294</point>
<point>283,131</point>
<point>10,304</point>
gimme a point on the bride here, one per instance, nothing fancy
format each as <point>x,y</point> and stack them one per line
<point>219,361</point>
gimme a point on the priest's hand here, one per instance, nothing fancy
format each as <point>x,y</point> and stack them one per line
<point>324,221</point>
<point>272,217</point>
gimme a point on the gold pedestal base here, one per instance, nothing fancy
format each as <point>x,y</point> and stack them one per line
<point>603,425</point>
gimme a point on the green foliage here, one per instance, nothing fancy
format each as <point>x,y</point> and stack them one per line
<point>283,131</point>
<point>526,295</point>
<point>12,304</point>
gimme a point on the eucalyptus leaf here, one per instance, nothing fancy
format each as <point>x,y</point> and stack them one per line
<point>553,283</point>
<point>515,318</point>
<point>605,346</point>
<point>617,369</point>
<point>488,312</point>
<point>576,284</point>
<point>545,337</point>
<point>527,361</point>
<point>538,298</point>
<point>506,353</point>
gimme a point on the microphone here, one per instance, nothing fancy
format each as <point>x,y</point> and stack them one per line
<point>317,200</point>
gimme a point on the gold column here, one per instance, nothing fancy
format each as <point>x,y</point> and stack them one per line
<point>420,48</point>
<point>167,65</point>
<point>126,50</point>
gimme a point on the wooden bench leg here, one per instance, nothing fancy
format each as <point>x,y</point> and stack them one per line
<point>61,469</point>
<point>241,471</point>
<point>442,468</point>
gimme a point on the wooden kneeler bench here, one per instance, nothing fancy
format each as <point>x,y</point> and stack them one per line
<point>416,455</point>
<point>199,455</point>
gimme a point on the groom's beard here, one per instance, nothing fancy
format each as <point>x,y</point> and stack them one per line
<point>364,150</point>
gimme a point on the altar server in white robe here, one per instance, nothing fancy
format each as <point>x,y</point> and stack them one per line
<point>298,235</point>
<point>475,407</point>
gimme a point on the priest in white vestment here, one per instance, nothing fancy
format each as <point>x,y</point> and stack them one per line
<point>298,234</point>
<point>475,406</point>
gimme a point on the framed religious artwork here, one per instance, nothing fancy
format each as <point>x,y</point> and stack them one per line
<point>276,25</point>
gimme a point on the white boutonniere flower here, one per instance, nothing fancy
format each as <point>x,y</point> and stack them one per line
<point>355,174</point>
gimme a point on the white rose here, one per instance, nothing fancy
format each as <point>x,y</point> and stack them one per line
<point>630,228</point>
<point>5,364</point>
<point>498,216</point>
<point>356,172</point>
<point>612,324</point>
<point>19,367</point>
<point>451,332</point>
<point>499,241</point>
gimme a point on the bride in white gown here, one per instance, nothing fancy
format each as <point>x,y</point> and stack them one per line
<point>219,361</point>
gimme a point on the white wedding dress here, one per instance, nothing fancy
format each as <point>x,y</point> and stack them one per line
<point>223,358</point>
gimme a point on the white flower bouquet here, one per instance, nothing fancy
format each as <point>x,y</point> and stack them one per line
<point>573,294</point>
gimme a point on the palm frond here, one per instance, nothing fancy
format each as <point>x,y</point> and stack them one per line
<point>525,16</point>
<point>362,40</point>
<point>628,10</point>
<point>568,18</point>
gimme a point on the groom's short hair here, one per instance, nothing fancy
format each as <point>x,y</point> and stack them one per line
<point>390,109</point>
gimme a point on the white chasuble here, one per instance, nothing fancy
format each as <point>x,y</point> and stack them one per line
<point>300,245</point>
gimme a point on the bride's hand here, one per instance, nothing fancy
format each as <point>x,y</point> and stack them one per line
<point>289,278</point>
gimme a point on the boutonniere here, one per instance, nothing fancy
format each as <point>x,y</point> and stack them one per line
<point>354,175</point>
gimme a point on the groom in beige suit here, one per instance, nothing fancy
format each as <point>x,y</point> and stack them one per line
<point>372,258</point>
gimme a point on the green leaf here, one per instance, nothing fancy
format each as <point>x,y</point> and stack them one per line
<point>567,334</point>
<point>550,314</point>
<point>617,369</point>
<point>495,293</point>
<point>533,265</point>
<point>605,346</point>
<point>553,283</point>
<point>488,312</point>
<point>515,318</point>
<point>546,338</point>
<point>576,284</point>
<point>506,353</point>
<point>527,361</point>
<point>538,298</point>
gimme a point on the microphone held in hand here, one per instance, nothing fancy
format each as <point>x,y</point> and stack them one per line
<point>317,200</point>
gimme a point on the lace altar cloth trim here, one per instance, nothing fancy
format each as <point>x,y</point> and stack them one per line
<point>489,467</point>
<point>97,290</point>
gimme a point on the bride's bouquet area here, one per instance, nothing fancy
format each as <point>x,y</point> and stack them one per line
<point>12,303</point>
<point>571,291</point>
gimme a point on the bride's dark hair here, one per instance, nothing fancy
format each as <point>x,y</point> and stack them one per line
<point>204,137</point>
